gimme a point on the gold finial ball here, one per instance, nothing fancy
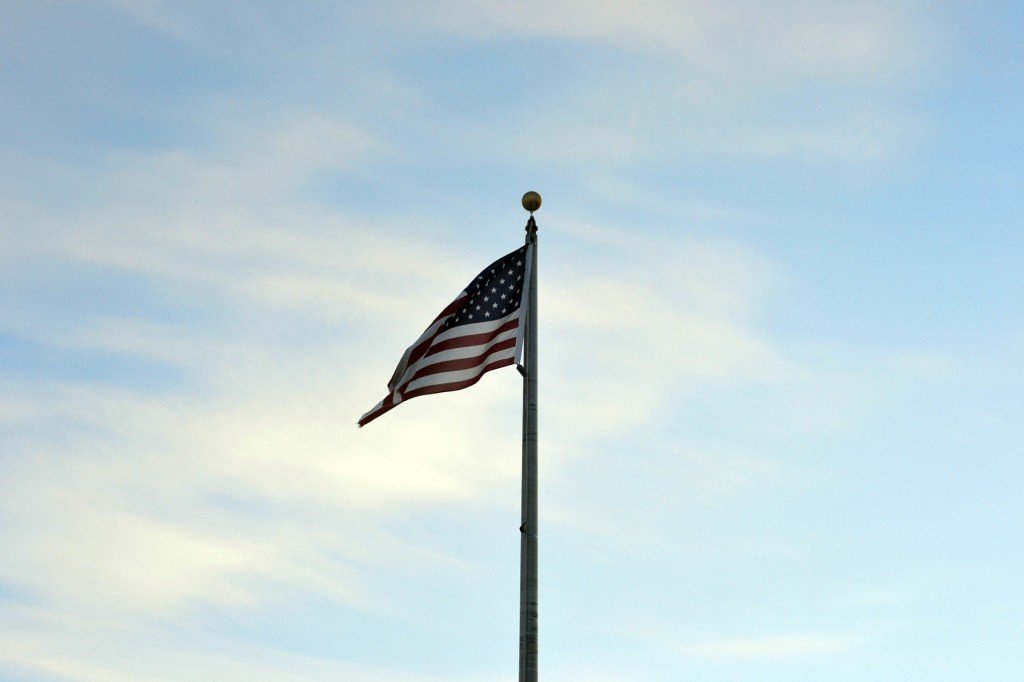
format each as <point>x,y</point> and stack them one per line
<point>531,201</point>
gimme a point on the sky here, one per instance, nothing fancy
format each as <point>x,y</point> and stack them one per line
<point>781,339</point>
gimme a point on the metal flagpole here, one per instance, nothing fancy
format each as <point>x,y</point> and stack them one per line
<point>528,529</point>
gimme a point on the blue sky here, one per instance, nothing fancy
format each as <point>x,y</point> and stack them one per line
<point>781,360</point>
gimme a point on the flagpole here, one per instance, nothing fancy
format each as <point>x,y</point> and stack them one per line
<point>528,529</point>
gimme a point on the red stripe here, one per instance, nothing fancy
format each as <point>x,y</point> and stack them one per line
<point>420,350</point>
<point>453,306</point>
<point>436,388</point>
<point>462,363</point>
<point>423,346</point>
<point>472,339</point>
<point>388,404</point>
<point>458,385</point>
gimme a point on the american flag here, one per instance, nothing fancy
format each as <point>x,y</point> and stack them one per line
<point>477,332</point>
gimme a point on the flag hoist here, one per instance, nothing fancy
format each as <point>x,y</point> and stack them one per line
<point>492,323</point>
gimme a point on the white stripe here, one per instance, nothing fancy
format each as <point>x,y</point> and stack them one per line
<point>474,351</point>
<point>468,351</point>
<point>400,370</point>
<point>375,408</point>
<point>476,327</point>
<point>454,332</point>
<point>461,375</point>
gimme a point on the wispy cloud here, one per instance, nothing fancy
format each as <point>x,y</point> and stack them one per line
<point>852,42</point>
<point>146,512</point>
<point>773,647</point>
<point>67,648</point>
<point>225,303</point>
<point>698,79</point>
<point>228,235</point>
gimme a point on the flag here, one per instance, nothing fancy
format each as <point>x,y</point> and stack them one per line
<point>479,331</point>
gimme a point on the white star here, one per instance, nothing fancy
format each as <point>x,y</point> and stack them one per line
<point>486,299</point>
<point>501,281</point>
<point>495,305</point>
<point>510,272</point>
<point>504,310</point>
<point>519,262</point>
<point>471,316</point>
<point>503,295</point>
<point>494,290</point>
<point>487,314</point>
<point>478,307</point>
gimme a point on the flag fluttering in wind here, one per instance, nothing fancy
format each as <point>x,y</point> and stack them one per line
<point>477,332</point>
<point>492,323</point>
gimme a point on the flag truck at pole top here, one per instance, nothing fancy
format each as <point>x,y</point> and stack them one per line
<point>492,323</point>
<point>528,529</point>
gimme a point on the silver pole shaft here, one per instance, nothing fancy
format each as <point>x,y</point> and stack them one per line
<point>528,530</point>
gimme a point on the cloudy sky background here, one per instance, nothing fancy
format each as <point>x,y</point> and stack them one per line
<point>781,357</point>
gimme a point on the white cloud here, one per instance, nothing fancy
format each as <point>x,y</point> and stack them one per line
<point>40,643</point>
<point>694,81</point>
<point>772,647</point>
<point>264,421</point>
<point>851,42</point>
<point>133,528</point>
<point>290,312</point>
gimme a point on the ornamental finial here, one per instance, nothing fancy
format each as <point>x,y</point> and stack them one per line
<point>531,201</point>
